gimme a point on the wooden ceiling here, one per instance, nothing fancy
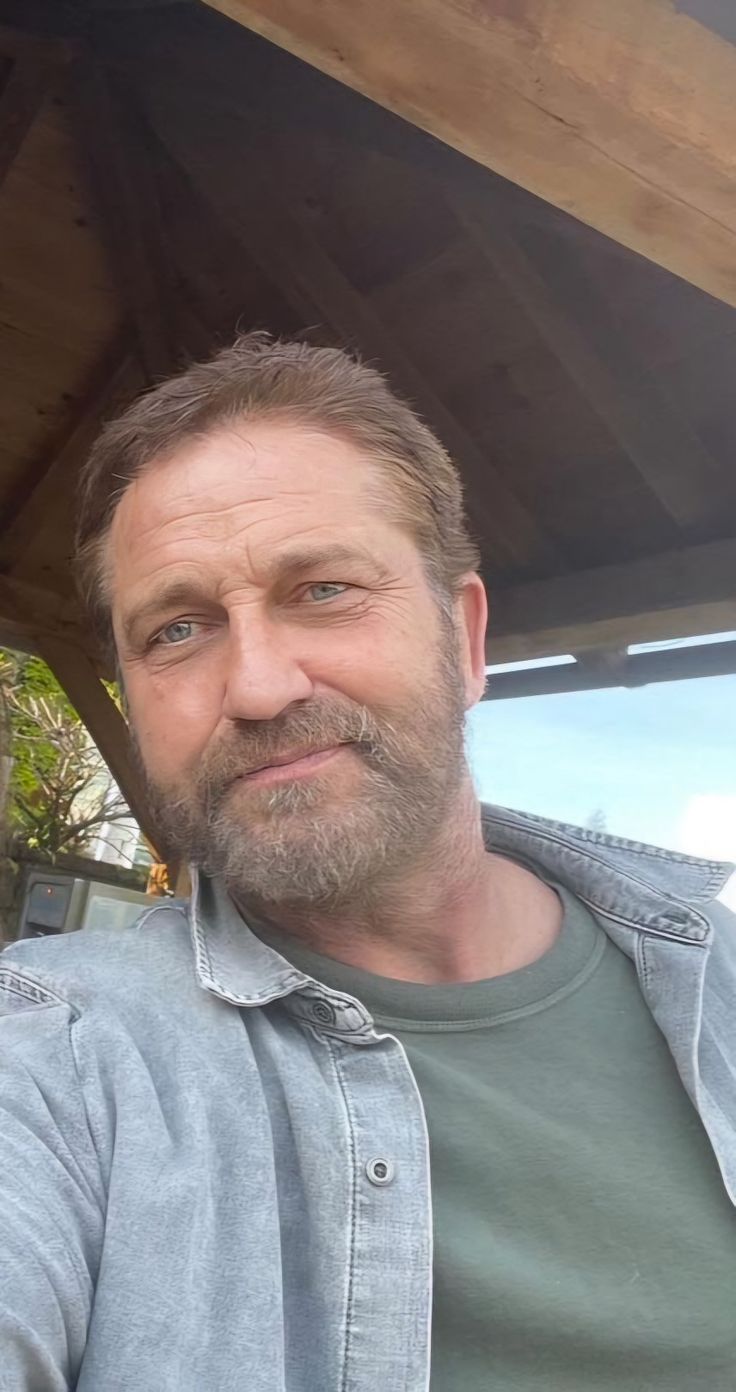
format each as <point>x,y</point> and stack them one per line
<point>622,114</point>
<point>168,176</point>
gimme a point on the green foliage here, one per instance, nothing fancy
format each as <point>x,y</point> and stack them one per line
<point>27,681</point>
<point>59,792</point>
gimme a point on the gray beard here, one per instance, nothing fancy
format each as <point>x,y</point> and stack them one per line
<point>294,845</point>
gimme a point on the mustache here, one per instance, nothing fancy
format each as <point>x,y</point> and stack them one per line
<point>254,744</point>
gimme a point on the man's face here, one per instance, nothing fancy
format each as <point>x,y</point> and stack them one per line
<point>296,695</point>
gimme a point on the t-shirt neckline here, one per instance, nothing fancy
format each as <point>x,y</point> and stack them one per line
<point>568,964</point>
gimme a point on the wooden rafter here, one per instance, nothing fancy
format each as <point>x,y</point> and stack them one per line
<point>127,200</point>
<point>639,669</point>
<point>278,240</point>
<point>24,535</point>
<point>621,114</point>
<point>16,636</point>
<point>29,613</point>
<point>40,23</point>
<point>672,595</point>
<point>577,326</point>
<point>21,97</point>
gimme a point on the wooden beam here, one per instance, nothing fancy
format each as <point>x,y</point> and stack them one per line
<point>73,670</point>
<point>621,114</point>
<point>38,22</point>
<point>127,200</point>
<point>641,669</point>
<point>21,98</point>
<point>577,326</point>
<point>593,661</point>
<point>209,147</point>
<point>25,531</point>
<point>28,610</point>
<point>119,152</point>
<point>676,594</point>
<point>16,637</point>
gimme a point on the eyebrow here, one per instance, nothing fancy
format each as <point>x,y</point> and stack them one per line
<point>172,595</point>
<point>298,559</point>
<point>282,565</point>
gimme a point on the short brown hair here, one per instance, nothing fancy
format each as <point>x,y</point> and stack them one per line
<point>257,379</point>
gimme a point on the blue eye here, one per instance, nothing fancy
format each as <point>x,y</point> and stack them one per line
<point>176,632</point>
<point>326,589</point>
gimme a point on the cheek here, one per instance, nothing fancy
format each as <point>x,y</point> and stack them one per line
<point>173,716</point>
<point>383,664</point>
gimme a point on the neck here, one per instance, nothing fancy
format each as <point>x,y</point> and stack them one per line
<point>460,913</point>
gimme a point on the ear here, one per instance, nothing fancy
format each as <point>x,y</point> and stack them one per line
<point>471,617</point>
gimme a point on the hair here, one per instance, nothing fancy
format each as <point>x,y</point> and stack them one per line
<point>258,379</point>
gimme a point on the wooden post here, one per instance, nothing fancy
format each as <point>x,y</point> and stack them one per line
<point>76,674</point>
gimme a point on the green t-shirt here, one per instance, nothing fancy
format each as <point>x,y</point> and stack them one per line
<point>583,1238</point>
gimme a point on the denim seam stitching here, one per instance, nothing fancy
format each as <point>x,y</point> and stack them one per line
<point>646,972</point>
<point>204,965</point>
<point>556,840</point>
<point>81,1073</point>
<point>353,1216</point>
<point>149,913</point>
<point>19,985</point>
<point>647,928</point>
<point>593,838</point>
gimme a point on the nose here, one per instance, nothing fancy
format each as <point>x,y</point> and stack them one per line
<point>264,674</point>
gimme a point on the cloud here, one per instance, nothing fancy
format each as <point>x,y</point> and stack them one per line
<point>707,827</point>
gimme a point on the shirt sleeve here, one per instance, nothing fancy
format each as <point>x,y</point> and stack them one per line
<point>51,1194</point>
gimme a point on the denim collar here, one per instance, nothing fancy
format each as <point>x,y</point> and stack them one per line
<point>626,883</point>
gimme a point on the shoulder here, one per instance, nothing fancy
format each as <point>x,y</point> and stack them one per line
<point>85,1017</point>
<point>83,1020</point>
<point>589,855</point>
<point>116,966</point>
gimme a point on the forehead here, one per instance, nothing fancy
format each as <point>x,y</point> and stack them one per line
<point>250,465</point>
<point>244,489</point>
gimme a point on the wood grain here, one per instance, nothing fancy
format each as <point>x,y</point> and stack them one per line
<point>622,114</point>
<point>672,595</point>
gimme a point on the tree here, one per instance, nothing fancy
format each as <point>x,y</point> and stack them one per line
<point>60,791</point>
<point>597,821</point>
<point>6,768</point>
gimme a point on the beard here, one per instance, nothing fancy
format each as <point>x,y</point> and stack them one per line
<point>312,843</point>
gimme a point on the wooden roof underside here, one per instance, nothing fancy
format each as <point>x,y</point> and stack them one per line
<point>168,176</point>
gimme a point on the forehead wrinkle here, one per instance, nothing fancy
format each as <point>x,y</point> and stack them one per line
<point>241,541</point>
<point>200,519</point>
<point>258,466</point>
<point>163,528</point>
<point>198,574</point>
<point>204,520</point>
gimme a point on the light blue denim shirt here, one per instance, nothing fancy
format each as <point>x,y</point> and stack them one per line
<point>189,1131</point>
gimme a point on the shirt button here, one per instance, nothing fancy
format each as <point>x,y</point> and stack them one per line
<point>380,1171</point>
<point>324,1012</point>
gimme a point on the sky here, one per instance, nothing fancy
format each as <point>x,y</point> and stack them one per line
<point>658,761</point>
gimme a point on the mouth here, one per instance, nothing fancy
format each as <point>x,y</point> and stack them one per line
<point>297,764</point>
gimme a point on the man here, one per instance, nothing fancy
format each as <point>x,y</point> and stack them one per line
<point>397,1044</point>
